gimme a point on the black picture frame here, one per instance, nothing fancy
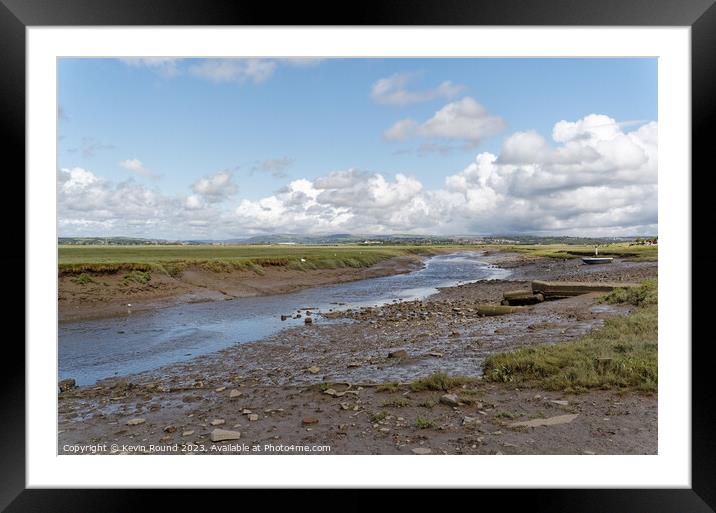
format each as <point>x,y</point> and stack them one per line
<point>17,15</point>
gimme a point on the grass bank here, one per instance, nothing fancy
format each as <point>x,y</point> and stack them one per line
<point>171,260</point>
<point>622,250</point>
<point>622,354</point>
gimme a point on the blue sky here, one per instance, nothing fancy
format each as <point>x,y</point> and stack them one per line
<point>279,141</point>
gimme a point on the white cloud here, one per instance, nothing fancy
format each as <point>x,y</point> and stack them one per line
<point>234,70</point>
<point>463,120</point>
<point>215,188</point>
<point>392,90</point>
<point>137,166</point>
<point>166,67</point>
<point>401,130</point>
<point>587,180</point>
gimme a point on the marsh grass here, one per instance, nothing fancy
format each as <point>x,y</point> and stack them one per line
<point>622,354</point>
<point>619,250</point>
<point>172,260</point>
<point>83,279</point>
<point>140,277</point>
<point>396,402</point>
<point>439,381</point>
<point>423,423</point>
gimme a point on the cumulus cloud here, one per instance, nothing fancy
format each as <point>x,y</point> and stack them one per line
<point>392,90</point>
<point>590,178</point>
<point>464,120</point>
<point>215,188</point>
<point>234,70</point>
<point>137,166</point>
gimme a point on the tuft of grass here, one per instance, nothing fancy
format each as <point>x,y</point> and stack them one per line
<point>428,403</point>
<point>439,381</point>
<point>621,355</point>
<point>388,387</point>
<point>83,279</point>
<point>645,294</point>
<point>396,402</point>
<point>141,277</point>
<point>423,423</point>
<point>378,416</point>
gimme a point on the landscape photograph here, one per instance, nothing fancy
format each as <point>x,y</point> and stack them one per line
<point>357,256</point>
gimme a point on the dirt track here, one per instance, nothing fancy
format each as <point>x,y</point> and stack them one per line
<point>277,380</point>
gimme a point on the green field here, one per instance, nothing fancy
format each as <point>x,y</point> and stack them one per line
<point>619,250</point>
<point>173,259</point>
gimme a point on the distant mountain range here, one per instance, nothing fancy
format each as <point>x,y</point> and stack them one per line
<point>346,238</point>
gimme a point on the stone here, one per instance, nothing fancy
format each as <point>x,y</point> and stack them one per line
<point>450,400</point>
<point>309,421</point>
<point>551,421</point>
<point>560,402</point>
<point>235,393</point>
<point>308,320</point>
<point>187,433</point>
<point>314,370</point>
<point>284,317</point>
<point>421,450</point>
<point>246,411</point>
<point>170,429</point>
<point>135,422</point>
<point>220,389</point>
<point>400,353</point>
<point>67,384</point>
<point>253,416</point>
<point>435,354</point>
<point>219,435</point>
<point>217,422</point>
<point>471,421</point>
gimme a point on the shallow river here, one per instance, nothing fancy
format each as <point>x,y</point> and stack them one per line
<point>102,348</point>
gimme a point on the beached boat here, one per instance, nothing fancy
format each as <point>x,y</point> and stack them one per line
<point>596,259</point>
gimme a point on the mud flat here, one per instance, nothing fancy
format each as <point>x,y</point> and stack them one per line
<point>350,383</point>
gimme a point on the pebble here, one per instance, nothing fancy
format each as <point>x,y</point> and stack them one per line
<point>314,370</point>
<point>170,429</point>
<point>253,416</point>
<point>217,422</point>
<point>187,433</point>
<point>135,422</point>
<point>234,394</point>
<point>421,450</point>
<point>310,420</point>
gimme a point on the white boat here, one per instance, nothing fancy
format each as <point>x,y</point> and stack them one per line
<point>596,259</point>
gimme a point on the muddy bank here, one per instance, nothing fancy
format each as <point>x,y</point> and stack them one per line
<point>108,295</point>
<point>274,391</point>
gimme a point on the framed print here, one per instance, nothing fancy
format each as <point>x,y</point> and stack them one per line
<point>443,248</point>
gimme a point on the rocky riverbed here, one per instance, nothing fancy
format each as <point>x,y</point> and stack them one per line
<point>342,382</point>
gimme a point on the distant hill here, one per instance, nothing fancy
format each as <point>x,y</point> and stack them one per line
<point>346,238</point>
